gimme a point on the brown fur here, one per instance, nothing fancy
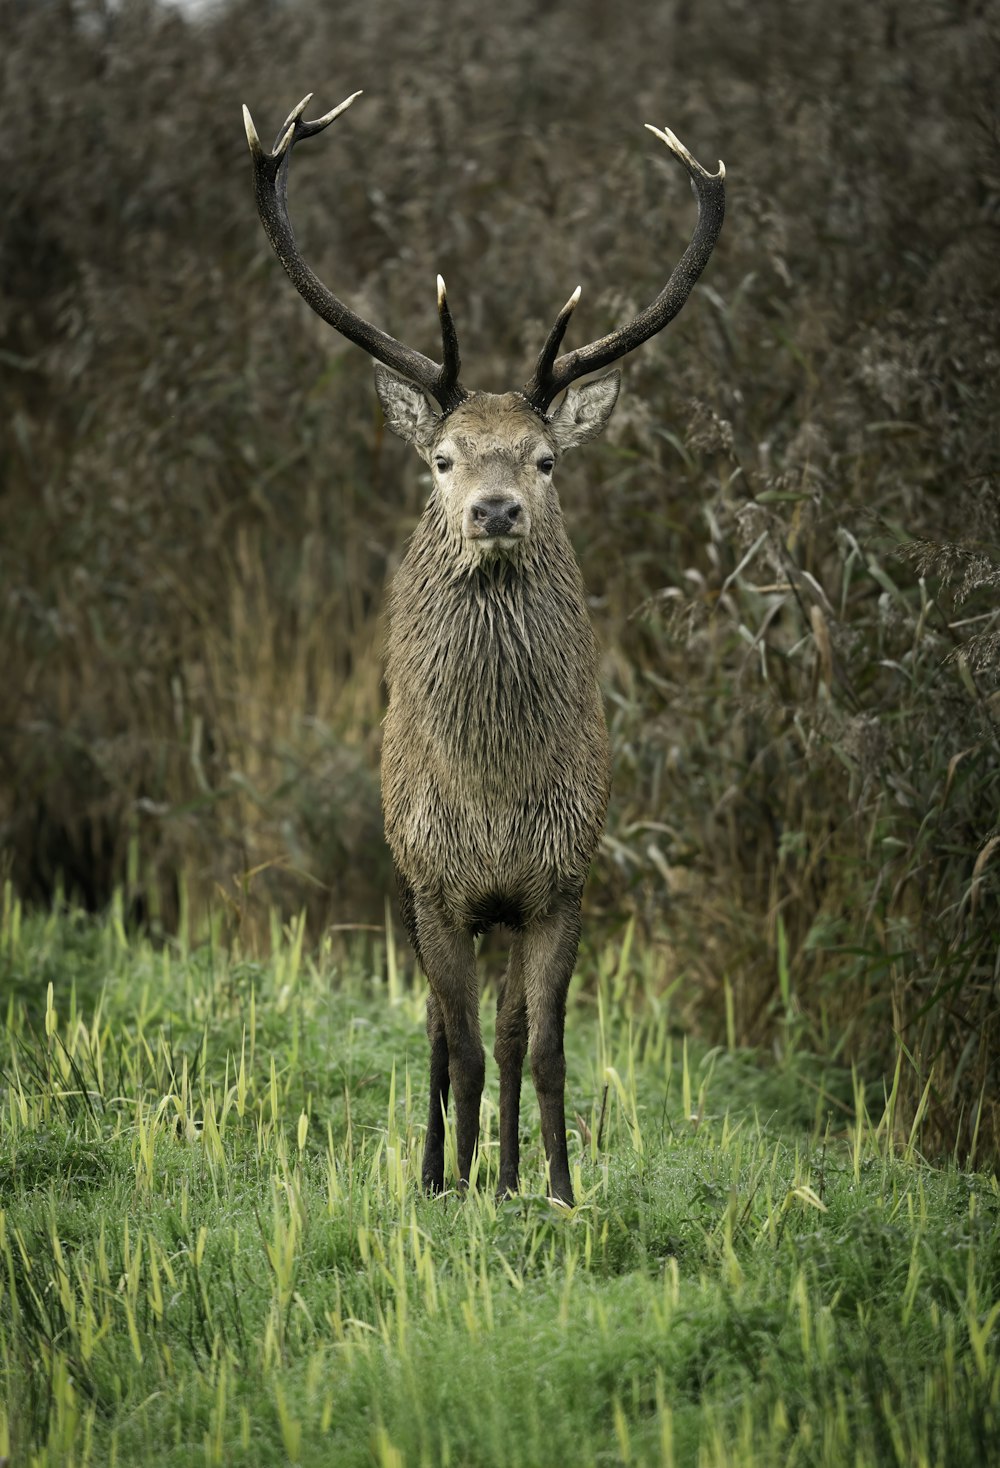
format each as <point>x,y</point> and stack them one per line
<point>495,764</point>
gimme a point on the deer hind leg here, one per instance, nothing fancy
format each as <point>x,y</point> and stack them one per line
<point>449,961</point>
<point>509,1052</point>
<point>549,955</point>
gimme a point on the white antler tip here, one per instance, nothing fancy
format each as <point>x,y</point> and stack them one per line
<point>296,112</point>
<point>336,111</point>
<point>576,295</point>
<point>285,139</point>
<point>678,149</point>
<point>668,136</point>
<point>441,290</point>
<point>251,131</point>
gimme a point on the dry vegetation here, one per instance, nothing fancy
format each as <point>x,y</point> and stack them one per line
<point>792,535</point>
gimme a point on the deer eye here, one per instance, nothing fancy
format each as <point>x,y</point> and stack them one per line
<point>442,464</point>
<point>546,463</point>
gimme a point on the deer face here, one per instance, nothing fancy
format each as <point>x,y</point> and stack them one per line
<point>493,456</point>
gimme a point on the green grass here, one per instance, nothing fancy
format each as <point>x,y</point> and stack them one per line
<point>213,1247</point>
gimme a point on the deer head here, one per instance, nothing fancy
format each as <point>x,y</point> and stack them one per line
<point>492,456</point>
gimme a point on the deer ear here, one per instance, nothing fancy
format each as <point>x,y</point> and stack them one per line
<point>406,406</point>
<point>585,410</point>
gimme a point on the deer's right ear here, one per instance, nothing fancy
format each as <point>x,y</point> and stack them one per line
<point>406,406</point>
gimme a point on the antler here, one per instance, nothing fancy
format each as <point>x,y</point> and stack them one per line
<point>552,375</point>
<point>270,171</point>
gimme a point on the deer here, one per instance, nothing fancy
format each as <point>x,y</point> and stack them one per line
<point>495,764</point>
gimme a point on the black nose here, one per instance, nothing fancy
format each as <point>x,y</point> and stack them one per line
<point>496,515</point>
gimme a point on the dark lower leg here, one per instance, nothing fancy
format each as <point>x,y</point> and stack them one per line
<point>509,1051</point>
<point>467,1068</point>
<point>548,1070</point>
<point>448,957</point>
<point>510,1142</point>
<point>433,1168</point>
<point>549,955</point>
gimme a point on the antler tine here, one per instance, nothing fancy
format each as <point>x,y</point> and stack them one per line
<point>553,374</point>
<point>676,147</point>
<point>270,186</point>
<point>449,336</point>
<point>252,138</point>
<point>546,357</point>
<point>309,129</point>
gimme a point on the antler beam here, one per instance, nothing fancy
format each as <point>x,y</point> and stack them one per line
<point>270,171</point>
<point>553,374</point>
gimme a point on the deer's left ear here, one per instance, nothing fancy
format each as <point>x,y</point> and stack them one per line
<point>585,410</point>
<point>406,406</point>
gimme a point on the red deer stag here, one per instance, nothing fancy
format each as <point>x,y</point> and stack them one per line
<point>495,763</point>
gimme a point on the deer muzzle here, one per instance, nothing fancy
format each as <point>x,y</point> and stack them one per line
<point>495,517</point>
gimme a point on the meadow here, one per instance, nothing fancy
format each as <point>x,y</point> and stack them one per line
<point>214,1247</point>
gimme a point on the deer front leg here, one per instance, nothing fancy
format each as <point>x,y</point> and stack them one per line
<point>549,954</point>
<point>449,960</point>
<point>509,1052</point>
<point>433,1167</point>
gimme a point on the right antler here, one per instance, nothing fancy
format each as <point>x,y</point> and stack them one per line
<point>551,376</point>
<point>271,186</point>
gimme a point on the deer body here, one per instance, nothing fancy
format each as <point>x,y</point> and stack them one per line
<point>495,764</point>
<point>495,760</point>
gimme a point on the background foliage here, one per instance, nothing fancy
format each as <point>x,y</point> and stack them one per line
<point>791,534</point>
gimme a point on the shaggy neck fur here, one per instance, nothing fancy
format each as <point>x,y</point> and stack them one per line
<point>493,656</point>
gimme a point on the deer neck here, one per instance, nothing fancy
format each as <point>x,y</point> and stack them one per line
<point>495,660</point>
